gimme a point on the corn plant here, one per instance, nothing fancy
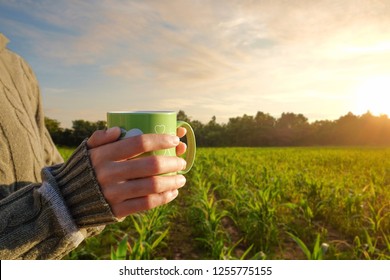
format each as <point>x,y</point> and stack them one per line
<point>366,249</point>
<point>210,217</point>
<point>150,231</point>
<point>260,222</point>
<point>120,253</point>
<point>318,251</point>
<point>376,217</point>
<point>243,202</point>
<point>386,254</point>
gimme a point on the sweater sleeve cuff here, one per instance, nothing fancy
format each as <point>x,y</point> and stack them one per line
<point>80,189</point>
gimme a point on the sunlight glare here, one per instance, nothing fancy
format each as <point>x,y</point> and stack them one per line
<point>373,95</point>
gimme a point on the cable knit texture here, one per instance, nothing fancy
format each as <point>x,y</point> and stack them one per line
<point>80,189</point>
<point>47,207</point>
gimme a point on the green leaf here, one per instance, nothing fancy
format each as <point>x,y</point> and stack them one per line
<point>159,239</point>
<point>301,244</point>
<point>121,251</point>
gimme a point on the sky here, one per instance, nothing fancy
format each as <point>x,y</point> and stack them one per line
<point>222,58</point>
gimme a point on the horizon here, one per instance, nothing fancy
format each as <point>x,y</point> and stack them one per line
<point>254,115</point>
<point>321,59</point>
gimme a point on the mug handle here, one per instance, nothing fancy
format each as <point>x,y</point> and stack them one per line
<point>191,146</point>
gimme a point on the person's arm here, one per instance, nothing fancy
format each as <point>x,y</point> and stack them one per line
<point>48,220</point>
<point>45,213</point>
<point>101,182</point>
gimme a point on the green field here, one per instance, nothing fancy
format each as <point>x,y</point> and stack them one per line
<point>264,203</point>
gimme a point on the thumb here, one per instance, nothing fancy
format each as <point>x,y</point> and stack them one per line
<point>102,137</point>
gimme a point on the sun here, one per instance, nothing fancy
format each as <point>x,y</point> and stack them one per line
<point>373,94</point>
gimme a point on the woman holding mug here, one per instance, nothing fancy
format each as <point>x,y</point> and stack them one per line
<point>47,206</point>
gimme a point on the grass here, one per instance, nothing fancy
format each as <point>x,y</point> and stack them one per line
<point>264,203</point>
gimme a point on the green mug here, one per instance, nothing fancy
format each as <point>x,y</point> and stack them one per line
<point>135,123</point>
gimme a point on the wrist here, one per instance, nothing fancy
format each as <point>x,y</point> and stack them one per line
<point>77,183</point>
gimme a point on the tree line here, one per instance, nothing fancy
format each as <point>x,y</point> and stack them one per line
<point>80,130</point>
<point>261,130</point>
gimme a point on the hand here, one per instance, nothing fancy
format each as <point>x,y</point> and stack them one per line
<point>131,184</point>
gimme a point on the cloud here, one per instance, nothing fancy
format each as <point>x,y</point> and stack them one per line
<point>127,69</point>
<point>89,30</point>
<point>230,56</point>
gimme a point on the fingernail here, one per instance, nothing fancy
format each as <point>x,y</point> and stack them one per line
<point>181,181</point>
<point>175,140</point>
<point>173,194</point>
<point>111,129</point>
<point>184,164</point>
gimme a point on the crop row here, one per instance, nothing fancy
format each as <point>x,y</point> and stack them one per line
<point>264,203</point>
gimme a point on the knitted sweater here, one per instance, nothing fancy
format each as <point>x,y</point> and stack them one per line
<point>47,207</point>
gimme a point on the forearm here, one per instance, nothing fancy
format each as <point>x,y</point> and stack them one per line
<point>48,220</point>
<point>31,228</point>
